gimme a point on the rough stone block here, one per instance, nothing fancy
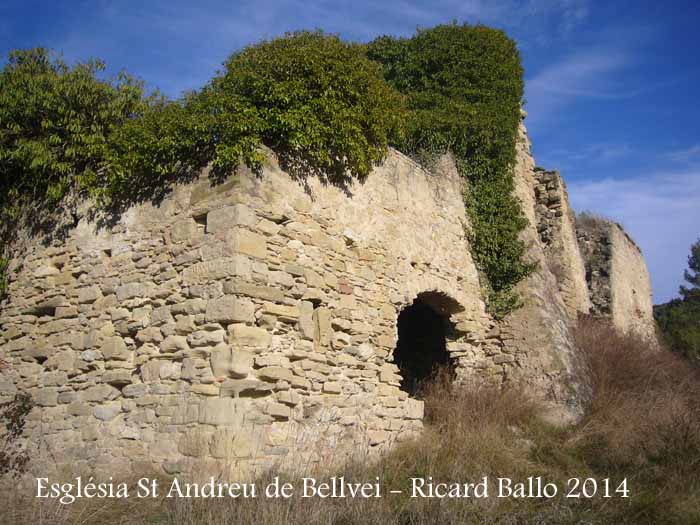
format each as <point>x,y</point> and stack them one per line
<point>114,349</point>
<point>174,343</point>
<point>223,219</point>
<point>306,320</point>
<point>89,295</point>
<point>253,290</point>
<point>245,387</point>
<point>107,412</point>
<point>332,387</point>
<point>241,363</point>
<point>132,290</point>
<point>243,335</point>
<point>275,373</point>
<point>243,241</point>
<point>47,397</point>
<point>183,230</point>
<point>229,309</point>
<point>287,314</point>
<point>221,411</point>
<point>217,270</point>
<point>322,326</point>
<point>278,411</point>
<point>99,393</point>
<point>220,359</point>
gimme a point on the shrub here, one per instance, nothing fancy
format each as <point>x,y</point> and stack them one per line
<point>644,420</point>
<point>55,123</point>
<point>679,319</point>
<point>318,101</point>
<point>464,87</point>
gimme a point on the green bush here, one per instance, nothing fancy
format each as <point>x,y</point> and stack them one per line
<point>464,88</point>
<point>679,319</point>
<point>324,106</point>
<point>319,102</point>
<point>55,123</point>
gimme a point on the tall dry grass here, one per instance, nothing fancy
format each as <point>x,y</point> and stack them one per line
<point>642,424</point>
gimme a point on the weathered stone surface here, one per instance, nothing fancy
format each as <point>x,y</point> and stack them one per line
<point>247,243</point>
<point>229,309</point>
<point>243,335</point>
<point>107,412</point>
<point>114,348</point>
<point>253,290</point>
<point>217,270</point>
<point>183,230</point>
<point>221,411</point>
<point>274,373</point>
<point>225,218</point>
<point>204,329</point>
<point>322,326</point>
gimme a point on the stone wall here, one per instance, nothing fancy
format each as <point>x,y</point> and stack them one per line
<point>254,321</point>
<point>537,336</point>
<point>557,231</point>
<point>617,275</point>
<point>241,323</point>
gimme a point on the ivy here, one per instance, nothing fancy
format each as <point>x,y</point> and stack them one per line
<point>464,90</point>
<point>326,107</point>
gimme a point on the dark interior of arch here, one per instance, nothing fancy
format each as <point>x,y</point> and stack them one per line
<point>421,347</point>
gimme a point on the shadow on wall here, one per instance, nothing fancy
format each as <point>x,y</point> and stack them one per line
<point>421,350</point>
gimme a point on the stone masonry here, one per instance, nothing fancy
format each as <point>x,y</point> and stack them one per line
<point>557,231</point>
<point>618,279</point>
<point>254,321</point>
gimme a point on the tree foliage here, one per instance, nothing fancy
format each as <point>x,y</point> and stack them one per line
<point>464,87</point>
<point>692,274</point>
<point>319,102</point>
<point>326,107</point>
<point>55,123</point>
<point>679,319</point>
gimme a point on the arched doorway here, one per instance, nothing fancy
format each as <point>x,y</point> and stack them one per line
<point>423,328</point>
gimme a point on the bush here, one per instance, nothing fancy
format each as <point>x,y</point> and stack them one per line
<point>318,101</point>
<point>322,105</point>
<point>55,123</point>
<point>464,87</point>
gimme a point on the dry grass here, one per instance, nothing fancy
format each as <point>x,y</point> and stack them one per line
<point>643,424</point>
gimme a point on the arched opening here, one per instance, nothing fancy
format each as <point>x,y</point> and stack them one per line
<point>423,328</point>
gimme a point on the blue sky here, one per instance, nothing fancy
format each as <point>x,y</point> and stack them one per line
<point>611,87</point>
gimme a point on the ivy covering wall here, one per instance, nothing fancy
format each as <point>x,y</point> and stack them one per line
<point>326,107</point>
<point>464,88</point>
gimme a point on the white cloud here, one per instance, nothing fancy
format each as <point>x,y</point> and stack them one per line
<point>581,75</point>
<point>661,213</point>
<point>685,155</point>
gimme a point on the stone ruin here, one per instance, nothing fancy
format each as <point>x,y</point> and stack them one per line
<point>262,320</point>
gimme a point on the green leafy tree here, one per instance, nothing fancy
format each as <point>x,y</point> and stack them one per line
<point>318,102</point>
<point>692,274</point>
<point>55,121</point>
<point>679,319</point>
